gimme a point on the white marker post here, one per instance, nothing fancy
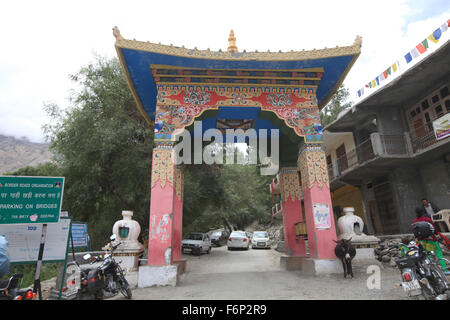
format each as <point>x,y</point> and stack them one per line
<point>37,280</point>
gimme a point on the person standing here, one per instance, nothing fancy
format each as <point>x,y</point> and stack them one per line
<point>429,208</point>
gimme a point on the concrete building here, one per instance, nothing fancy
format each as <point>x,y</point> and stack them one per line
<point>386,147</point>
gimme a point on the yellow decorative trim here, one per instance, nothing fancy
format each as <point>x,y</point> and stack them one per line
<point>313,168</point>
<point>165,66</point>
<point>179,181</point>
<point>290,184</point>
<point>163,164</point>
<point>242,85</point>
<point>242,56</point>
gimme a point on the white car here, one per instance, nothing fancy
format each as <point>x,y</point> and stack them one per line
<point>238,239</point>
<point>260,240</point>
<point>196,243</point>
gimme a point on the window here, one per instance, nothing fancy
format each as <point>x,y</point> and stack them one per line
<point>438,110</point>
<point>435,99</point>
<point>444,92</point>
<point>418,110</point>
<point>413,114</point>
<point>425,104</point>
<point>447,105</point>
<point>341,158</point>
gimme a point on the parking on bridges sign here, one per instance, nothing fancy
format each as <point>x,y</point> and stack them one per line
<point>25,200</point>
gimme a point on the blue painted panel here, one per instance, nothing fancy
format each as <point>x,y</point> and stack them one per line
<point>138,65</point>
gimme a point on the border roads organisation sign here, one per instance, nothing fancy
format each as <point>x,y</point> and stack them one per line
<point>26,200</point>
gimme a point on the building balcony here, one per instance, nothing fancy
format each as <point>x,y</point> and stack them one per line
<point>378,146</point>
<point>423,138</point>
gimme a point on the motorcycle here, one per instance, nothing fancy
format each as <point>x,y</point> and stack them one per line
<point>102,278</point>
<point>422,275</point>
<point>9,289</point>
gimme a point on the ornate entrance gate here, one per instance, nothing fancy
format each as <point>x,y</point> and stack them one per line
<point>174,86</point>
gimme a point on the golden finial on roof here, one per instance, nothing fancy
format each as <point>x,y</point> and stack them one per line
<point>116,33</point>
<point>232,42</point>
<point>358,41</point>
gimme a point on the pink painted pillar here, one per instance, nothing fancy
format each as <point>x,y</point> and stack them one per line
<point>178,214</point>
<point>317,200</point>
<point>291,203</point>
<point>162,208</point>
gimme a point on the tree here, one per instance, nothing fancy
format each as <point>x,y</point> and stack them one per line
<point>104,148</point>
<point>47,169</point>
<point>337,104</point>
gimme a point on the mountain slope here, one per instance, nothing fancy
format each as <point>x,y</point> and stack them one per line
<point>20,153</point>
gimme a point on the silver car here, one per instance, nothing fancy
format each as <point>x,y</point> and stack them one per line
<point>260,240</point>
<point>238,239</point>
<point>196,243</point>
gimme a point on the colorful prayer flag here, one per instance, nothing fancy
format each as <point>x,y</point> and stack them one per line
<point>437,33</point>
<point>394,67</point>
<point>425,43</point>
<point>385,74</point>
<point>408,57</point>
<point>444,27</point>
<point>367,86</point>
<point>378,80</point>
<point>421,48</point>
<point>382,77</point>
<point>431,37</point>
<point>388,71</point>
<point>360,92</point>
<point>415,53</point>
<point>374,84</point>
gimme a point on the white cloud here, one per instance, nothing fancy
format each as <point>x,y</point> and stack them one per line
<point>45,41</point>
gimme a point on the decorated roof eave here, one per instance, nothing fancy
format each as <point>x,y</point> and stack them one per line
<point>122,43</point>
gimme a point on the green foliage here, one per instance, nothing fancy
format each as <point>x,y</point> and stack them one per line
<point>104,148</point>
<point>47,169</point>
<point>48,271</point>
<point>234,197</point>
<point>337,104</point>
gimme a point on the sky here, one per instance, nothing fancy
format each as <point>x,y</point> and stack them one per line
<point>43,42</point>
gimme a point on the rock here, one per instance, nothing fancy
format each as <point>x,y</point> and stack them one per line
<point>385,258</point>
<point>392,263</point>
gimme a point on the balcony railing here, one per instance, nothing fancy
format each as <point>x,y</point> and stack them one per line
<point>422,137</point>
<point>378,145</point>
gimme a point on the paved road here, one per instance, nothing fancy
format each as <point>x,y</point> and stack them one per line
<point>256,274</point>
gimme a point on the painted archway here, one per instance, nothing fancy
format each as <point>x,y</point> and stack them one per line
<point>175,86</point>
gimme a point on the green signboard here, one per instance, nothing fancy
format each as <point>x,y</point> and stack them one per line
<point>25,200</point>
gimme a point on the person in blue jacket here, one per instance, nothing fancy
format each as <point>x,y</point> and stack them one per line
<point>4,259</point>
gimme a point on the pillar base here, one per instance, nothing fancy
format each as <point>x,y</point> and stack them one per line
<point>310,266</point>
<point>150,276</point>
<point>181,265</point>
<point>132,278</point>
<point>291,263</point>
<point>316,267</point>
